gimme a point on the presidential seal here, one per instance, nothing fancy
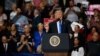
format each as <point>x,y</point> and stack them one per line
<point>54,41</point>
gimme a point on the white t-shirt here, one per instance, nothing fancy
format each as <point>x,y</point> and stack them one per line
<point>12,14</point>
<point>72,16</point>
<point>80,52</point>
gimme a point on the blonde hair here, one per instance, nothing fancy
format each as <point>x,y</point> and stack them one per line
<point>40,24</point>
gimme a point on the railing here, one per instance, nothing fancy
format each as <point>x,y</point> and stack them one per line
<point>21,54</point>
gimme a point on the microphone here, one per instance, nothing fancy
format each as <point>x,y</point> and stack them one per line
<point>59,19</point>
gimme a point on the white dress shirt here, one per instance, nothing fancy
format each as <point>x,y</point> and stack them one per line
<point>5,46</point>
<point>58,26</point>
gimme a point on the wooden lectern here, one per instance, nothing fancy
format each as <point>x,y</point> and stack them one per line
<point>56,54</point>
<point>55,44</point>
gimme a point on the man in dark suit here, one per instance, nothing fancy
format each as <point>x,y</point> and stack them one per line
<point>60,25</point>
<point>63,3</point>
<point>6,47</point>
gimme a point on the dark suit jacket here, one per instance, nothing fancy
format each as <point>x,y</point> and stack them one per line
<point>62,4</point>
<point>36,21</point>
<point>10,48</point>
<point>65,27</point>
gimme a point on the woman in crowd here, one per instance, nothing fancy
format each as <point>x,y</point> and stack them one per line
<point>38,37</point>
<point>92,31</point>
<point>77,49</point>
<point>14,36</point>
<point>27,32</point>
<point>24,46</point>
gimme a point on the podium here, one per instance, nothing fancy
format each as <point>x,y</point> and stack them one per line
<point>55,44</point>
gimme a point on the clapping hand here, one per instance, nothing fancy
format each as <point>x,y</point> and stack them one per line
<point>25,42</point>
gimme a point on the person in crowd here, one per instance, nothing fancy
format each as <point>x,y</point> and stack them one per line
<point>60,25</point>
<point>24,46</point>
<point>14,11</point>
<point>96,12</point>
<point>71,13</point>
<point>77,34</point>
<point>81,21</point>
<point>6,46</point>
<point>38,38</point>
<point>3,29</point>
<point>53,7</point>
<point>28,11</point>
<point>20,3</point>
<point>3,16</point>
<point>92,31</point>
<point>93,46</point>
<point>27,32</point>
<point>82,13</point>
<point>95,20</point>
<point>84,29</point>
<point>14,35</point>
<point>36,19</point>
<point>37,3</point>
<point>77,49</point>
<point>44,10</point>
<point>63,4</point>
<point>46,27</point>
<point>20,20</point>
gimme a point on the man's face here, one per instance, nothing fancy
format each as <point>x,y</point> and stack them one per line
<point>4,39</point>
<point>28,6</point>
<point>71,3</point>
<point>26,28</point>
<point>58,14</point>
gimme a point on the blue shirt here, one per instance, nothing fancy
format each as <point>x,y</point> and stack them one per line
<point>21,22</point>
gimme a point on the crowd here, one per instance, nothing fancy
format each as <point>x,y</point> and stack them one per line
<point>22,31</point>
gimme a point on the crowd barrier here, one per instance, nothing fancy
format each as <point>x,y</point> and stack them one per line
<point>21,54</point>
